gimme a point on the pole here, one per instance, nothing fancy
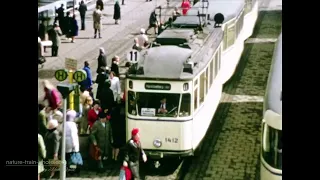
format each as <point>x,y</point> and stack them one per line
<point>63,148</point>
<point>71,95</point>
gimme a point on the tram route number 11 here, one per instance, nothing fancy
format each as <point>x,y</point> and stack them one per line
<point>134,56</point>
<point>171,140</point>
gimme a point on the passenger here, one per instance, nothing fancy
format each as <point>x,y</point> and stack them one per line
<point>87,83</point>
<point>73,28</point>
<point>67,21</point>
<point>82,10</point>
<point>100,4</point>
<point>52,95</point>
<point>115,87</point>
<point>115,65</point>
<point>54,35</point>
<point>101,138</point>
<point>72,142</point>
<point>97,16</point>
<point>101,78</point>
<point>143,38</point>
<point>133,154</point>
<point>153,22</point>
<point>93,114</point>
<point>86,106</point>
<point>102,59</point>
<point>52,143</point>
<point>117,125</point>
<point>185,6</point>
<point>175,13</point>
<point>136,45</point>
<point>117,12</point>
<point>42,33</point>
<point>42,120</point>
<point>60,12</point>
<point>163,26</point>
<point>107,98</point>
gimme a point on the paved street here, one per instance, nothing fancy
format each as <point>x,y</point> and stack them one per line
<point>117,39</point>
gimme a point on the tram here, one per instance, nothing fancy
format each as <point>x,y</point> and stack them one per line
<point>174,89</point>
<point>271,141</point>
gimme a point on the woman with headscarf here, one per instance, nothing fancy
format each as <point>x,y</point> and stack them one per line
<point>107,99</point>
<point>102,60</point>
<point>52,143</point>
<point>115,65</point>
<point>133,153</point>
<point>41,155</point>
<point>117,12</point>
<point>73,28</point>
<point>52,95</point>
<point>93,113</point>
<point>72,140</point>
<point>185,5</point>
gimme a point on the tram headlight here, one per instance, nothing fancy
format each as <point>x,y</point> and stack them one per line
<point>185,86</point>
<point>157,143</point>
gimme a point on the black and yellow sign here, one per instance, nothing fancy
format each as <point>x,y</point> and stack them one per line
<point>61,74</point>
<point>80,75</point>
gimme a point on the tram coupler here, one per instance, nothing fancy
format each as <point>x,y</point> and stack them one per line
<point>157,164</point>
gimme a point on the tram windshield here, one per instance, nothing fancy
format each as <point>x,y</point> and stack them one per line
<point>272,146</point>
<point>159,104</point>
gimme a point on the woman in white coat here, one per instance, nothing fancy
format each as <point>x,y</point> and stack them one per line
<point>72,139</point>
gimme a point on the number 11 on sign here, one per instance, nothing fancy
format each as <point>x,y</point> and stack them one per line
<point>133,56</point>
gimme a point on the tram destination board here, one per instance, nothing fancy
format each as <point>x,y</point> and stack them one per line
<point>157,86</point>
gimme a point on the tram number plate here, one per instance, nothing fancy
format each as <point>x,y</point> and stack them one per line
<point>171,140</point>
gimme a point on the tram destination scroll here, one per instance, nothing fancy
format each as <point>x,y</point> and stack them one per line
<point>157,86</point>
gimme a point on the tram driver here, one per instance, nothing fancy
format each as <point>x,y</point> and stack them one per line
<point>163,106</point>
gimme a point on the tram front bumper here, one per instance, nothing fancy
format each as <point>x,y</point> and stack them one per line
<point>158,154</point>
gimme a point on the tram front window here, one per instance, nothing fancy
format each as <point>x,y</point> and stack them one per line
<point>272,146</point>
<point>158,104</point>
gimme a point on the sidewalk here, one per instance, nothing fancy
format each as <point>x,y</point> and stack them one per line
<point>116,39</point>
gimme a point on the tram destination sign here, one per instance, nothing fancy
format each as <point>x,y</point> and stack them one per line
<point>157,86</point>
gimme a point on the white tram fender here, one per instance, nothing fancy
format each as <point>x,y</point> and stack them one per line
<point>250,20</point>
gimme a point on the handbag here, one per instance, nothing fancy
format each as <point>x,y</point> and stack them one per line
<point>75,159</point>
<point>94,152</point>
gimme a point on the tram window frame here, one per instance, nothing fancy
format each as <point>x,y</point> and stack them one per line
<point>185,103</point>
<point>219,58</point>
<point>202,91</point>
<point>216,64</point>
<point>231,38</point>
<point>269,149</point>
<point>248,6</point>
<point>134,106</point>
<point>195,99</point>
<point>212,75</point>
<point>225,37</point>
<point>207,80</point>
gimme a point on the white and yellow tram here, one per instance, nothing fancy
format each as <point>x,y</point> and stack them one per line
<point>186,68</point>
<point>271,141</point>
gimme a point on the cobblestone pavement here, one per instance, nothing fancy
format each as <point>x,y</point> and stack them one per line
<point>116,39</point>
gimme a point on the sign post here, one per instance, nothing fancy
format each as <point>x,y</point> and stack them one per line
<point>71,65</point>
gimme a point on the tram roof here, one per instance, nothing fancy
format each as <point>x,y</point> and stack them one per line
<point>273,99</point>
<point>180,36</point>
<point>229,8</point>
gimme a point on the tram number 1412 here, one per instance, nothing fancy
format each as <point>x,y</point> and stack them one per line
<point>171,140</point>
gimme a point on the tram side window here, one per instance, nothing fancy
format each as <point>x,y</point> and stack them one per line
<point>131,103</point>
<point>216,68</point>
<point>272,146</point>
<point>185,108</point>
<point>202,87</point>
<point>212,75</point>
<point>207,80</point>
<point>248,6</point>
<point>195,99</point>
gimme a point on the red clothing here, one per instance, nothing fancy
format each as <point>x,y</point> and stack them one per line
<point>53,98</point>
<point>92,117</point>
<point>185,7</point>
<point>128,172</point>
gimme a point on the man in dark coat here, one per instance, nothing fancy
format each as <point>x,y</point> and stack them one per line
<point>60,12</point>
<point>117,12</point>
<point>133,154</point>
<point>153,22</point>
<point>100,3</point>
<point>82,10</point>
<point>115,65</point>
<point>102,59</point>
<point>107,98</point>
<point>101,78</point>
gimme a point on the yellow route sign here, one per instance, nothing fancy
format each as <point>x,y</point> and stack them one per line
<point>80,75</point>
<point>61,74</point>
